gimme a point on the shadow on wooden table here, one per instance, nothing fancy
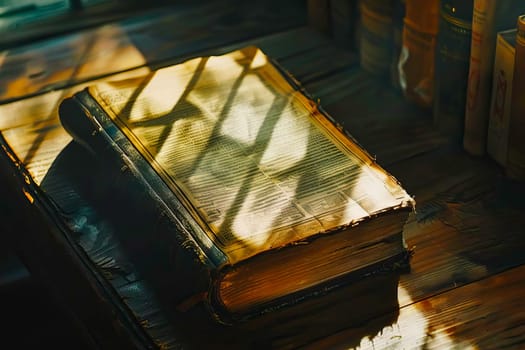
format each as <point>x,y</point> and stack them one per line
<point>139,267</point>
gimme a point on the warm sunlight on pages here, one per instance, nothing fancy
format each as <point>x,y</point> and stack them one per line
<point>271,191</point>
<point>244,147</point>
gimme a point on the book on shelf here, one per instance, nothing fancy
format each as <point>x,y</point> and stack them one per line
<point>398,14</point>
<point>499,113</point>
<point>489,18</point>
<point>263,199</point>
<point>344,18</point>
<point>516,150</point>
<point>416,62</point>
<point>376,39</point>
<point>452,66</point>
<point>319,15</point>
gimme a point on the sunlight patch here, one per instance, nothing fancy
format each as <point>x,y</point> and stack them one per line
<point>245,117</point>
<point>261,214</point>
<point>412,331</point>
<point>288,144</point>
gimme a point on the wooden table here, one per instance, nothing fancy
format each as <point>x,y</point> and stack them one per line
<point>467,279</point>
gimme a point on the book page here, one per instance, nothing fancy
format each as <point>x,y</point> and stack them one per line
<point>247,151</point>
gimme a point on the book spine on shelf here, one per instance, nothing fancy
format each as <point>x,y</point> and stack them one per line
<point>376,38</point>
<point>499,113</point>
<point>451,66</point>
<point>416,62</point>
<point>489,17</point>
<point>343,16</point>
<point>397,41</point>
<point>319,15</point>
<point>516,151</point>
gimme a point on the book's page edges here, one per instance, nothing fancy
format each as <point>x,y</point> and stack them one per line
<point>100,133</point>
<point>399,263</point>
<point>289,91</point>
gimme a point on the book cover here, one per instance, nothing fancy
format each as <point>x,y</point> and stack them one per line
<point>451,67</point>
<point>489,18</point>
<point>499,114</point>
<point>397,41</point>
<point>516,151</point>
<point>376,39</point>
<point>269,201</point>
<point>416,63</point>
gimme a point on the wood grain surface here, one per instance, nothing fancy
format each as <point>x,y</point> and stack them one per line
<point>467,279</point>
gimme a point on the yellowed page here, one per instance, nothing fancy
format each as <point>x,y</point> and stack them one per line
<point>258,164</point>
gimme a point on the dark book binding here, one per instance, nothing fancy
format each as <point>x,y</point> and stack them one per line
<point>516,150</point>
<point>376,35</point>
<point>452,66</point>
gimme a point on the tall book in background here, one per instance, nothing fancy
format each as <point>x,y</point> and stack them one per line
<point>451,69</point>
<point>319,15</point>
<point>375,35</point>
<point>416,62</point>
<point>344,19</point>
<point>397,41</point>
<point>499,114</point>
<point>489,17</point>
<point>516,155</point>
<point>263,198</point>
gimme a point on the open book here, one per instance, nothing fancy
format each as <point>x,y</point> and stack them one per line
<point>267,201</point>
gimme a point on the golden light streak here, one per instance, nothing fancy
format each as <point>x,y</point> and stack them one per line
<point>412,331</point>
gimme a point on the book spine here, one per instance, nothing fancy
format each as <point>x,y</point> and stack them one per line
<point>145,207</point>
<point>516,151</point>
<point>376,39</point>
<point>488,19</point>
<point>343,15</point>
<point>499,114</point>
<point>319,15</point>
<point>416,63</point>
<point>451,66</point>
<point>397,41</point>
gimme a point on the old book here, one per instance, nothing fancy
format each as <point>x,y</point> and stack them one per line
<point>376,38</point>
<point>489,17</point>
<point>516,150</point>
<point>397,38</point>
<point>416,62</point>
<point>263,199</point>
<point>499,114</point>
<point>451,66</point>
